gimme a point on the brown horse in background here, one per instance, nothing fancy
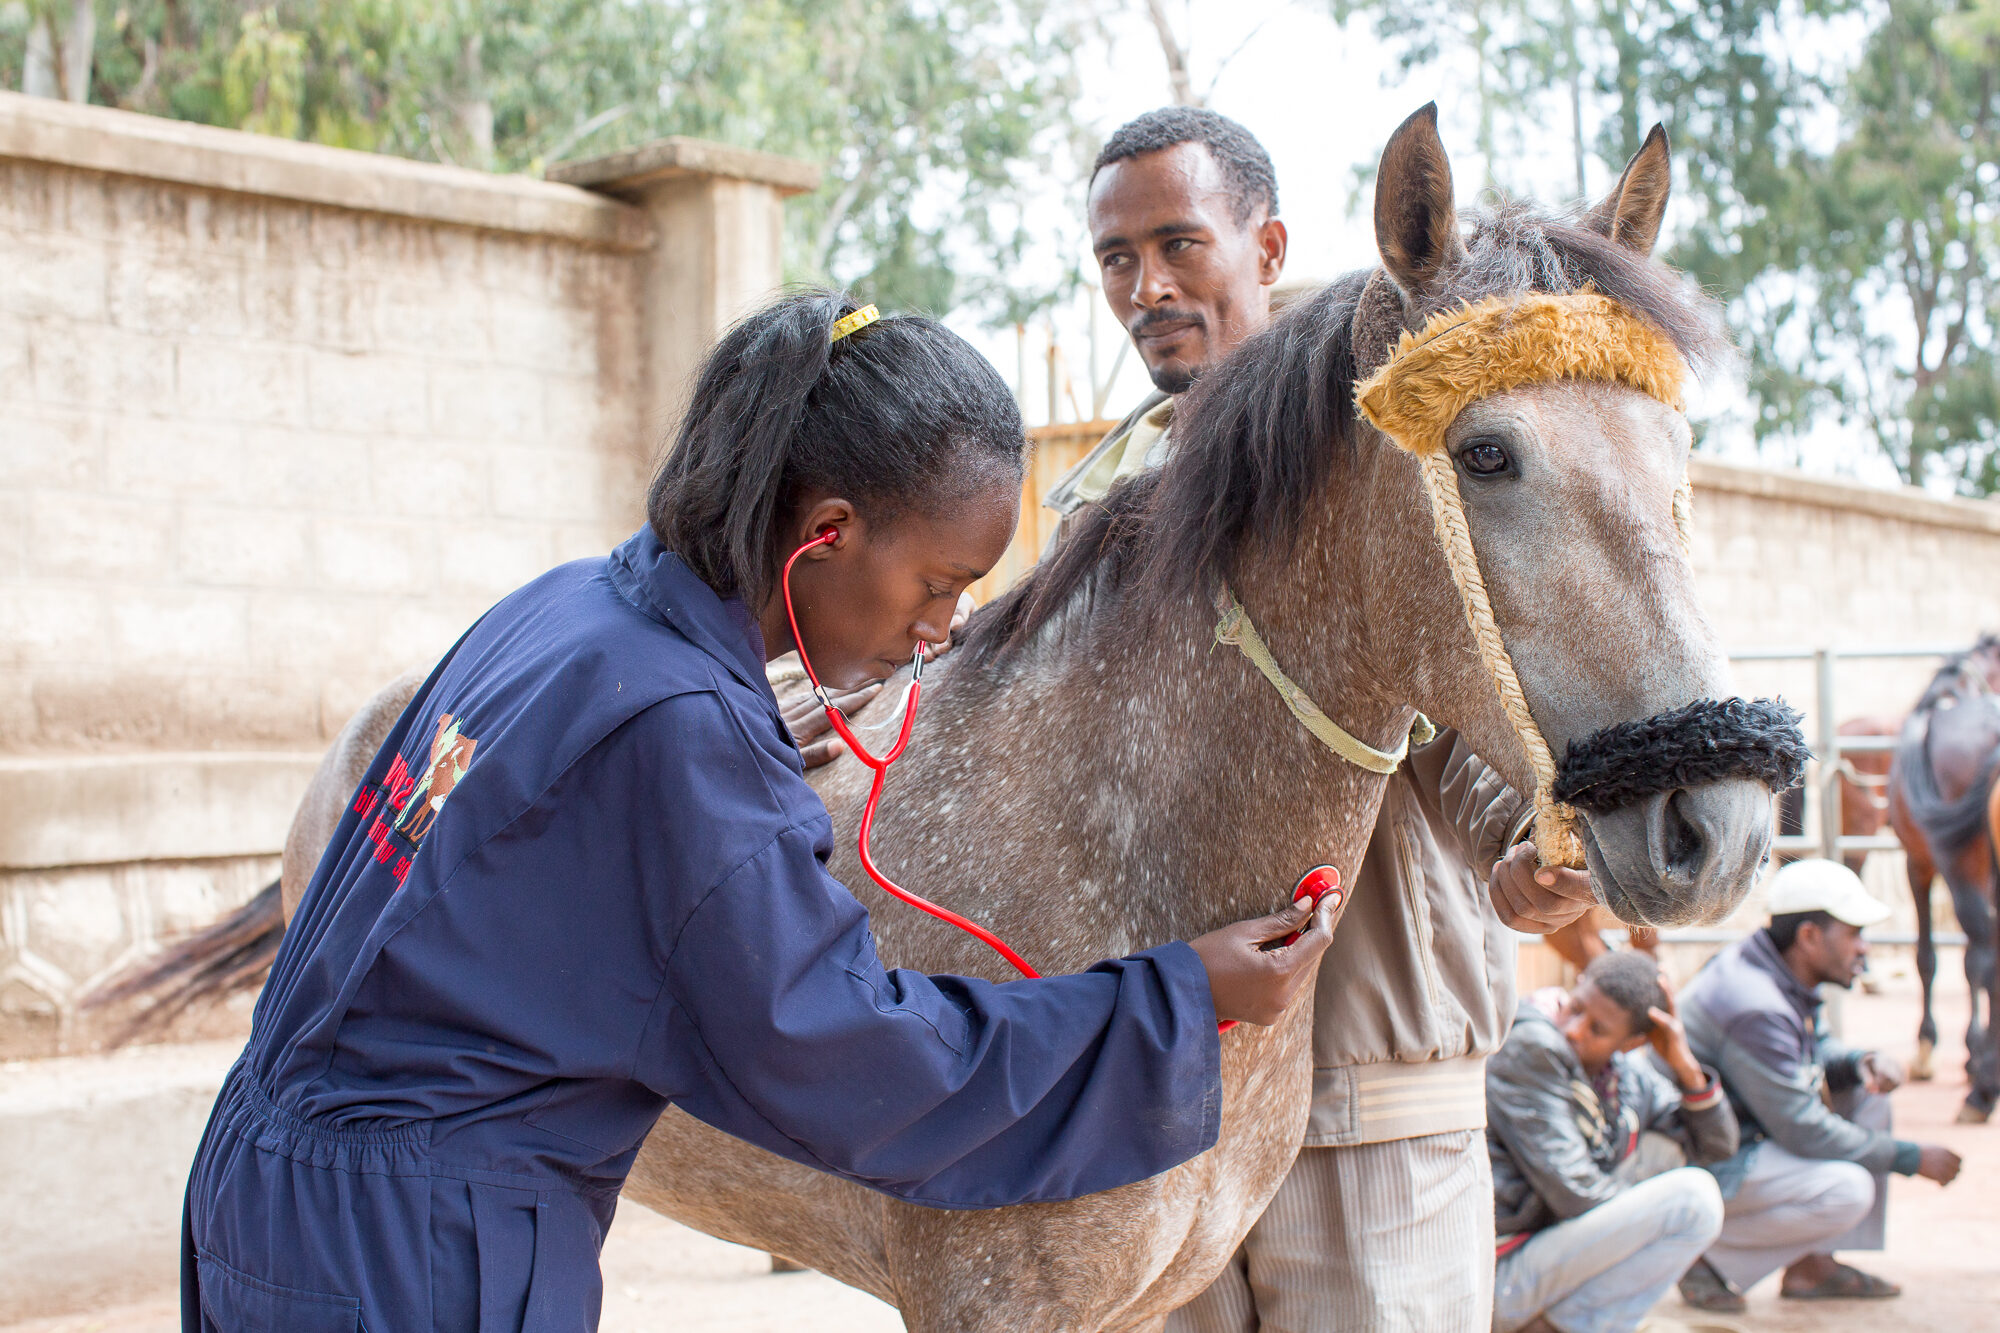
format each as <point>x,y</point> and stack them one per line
<point>1863,780</point>
<point>1941,797</point>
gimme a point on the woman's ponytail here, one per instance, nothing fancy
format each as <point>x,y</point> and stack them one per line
<point>719,489</point>
<point>885,415</point>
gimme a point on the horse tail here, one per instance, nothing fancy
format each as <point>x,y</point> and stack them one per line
<point>1948,825</point>
<point>233,955</point>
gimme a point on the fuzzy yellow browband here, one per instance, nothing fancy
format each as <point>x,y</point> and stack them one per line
<point>1502,343</point>
<point>1490,347</point>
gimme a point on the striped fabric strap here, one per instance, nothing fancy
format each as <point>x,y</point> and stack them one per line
<point>1707,1097</point>
<point>1236,629</point>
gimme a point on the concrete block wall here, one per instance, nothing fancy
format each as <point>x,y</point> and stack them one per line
<point>277,422</point>
<point>1785,560</point>
<point>267,454</point>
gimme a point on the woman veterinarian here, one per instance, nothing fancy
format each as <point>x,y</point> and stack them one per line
<point>584,880</point>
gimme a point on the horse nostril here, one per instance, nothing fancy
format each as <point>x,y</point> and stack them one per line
<point>1683,845</point>
<point>1684,857</point>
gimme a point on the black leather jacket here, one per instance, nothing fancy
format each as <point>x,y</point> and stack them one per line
<point>1555,1152</point>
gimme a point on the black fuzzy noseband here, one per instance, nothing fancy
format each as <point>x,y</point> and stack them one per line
<point>1708,740</point>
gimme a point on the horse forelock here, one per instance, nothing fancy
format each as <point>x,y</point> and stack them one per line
<point>1259,438</point>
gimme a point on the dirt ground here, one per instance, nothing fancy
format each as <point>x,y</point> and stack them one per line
<point>1944,1244</point>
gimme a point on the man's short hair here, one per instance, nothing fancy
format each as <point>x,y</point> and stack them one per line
<point>1785,928</point>
<point>1245,164</point>
<point>1630,980</point>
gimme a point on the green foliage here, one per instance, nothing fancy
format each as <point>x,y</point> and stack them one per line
<point>1905,252</point>
<point>924,114</point>
<point>1851,219</point>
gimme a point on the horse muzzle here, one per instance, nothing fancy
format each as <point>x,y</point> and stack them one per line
<point>1677,807</point>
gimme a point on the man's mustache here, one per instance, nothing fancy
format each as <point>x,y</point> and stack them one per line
<point>1161,317</point>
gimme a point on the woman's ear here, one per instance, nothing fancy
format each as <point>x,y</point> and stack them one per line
<point>827,512</point>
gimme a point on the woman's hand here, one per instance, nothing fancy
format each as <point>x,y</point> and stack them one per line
<point>806,720</point>
<point>1250,976</point>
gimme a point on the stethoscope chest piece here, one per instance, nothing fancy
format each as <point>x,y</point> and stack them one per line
<point>1317,883</point>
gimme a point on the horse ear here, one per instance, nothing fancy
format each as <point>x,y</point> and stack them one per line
<point>1416,223</point>
<point>1631,213</point>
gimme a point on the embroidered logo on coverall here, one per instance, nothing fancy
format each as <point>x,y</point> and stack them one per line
<point>414,803</point>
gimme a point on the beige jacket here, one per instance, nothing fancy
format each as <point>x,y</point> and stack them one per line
<point>1417,988</point>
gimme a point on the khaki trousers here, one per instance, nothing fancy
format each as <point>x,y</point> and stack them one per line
<point>1374,1238</point>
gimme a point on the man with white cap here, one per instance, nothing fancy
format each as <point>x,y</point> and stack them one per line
<point>1811,1175</point>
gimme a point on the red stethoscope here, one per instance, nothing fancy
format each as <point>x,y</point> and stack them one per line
<point>1315,884</point>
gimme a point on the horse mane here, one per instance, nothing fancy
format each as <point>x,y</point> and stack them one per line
<point>1260,436</point>
<point>1958,672</point>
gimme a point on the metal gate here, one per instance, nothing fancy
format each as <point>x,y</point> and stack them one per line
<point>1822,790</point>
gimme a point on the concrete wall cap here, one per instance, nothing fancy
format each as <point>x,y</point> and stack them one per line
<point>629,169</point>
<point>1905,503</point>
<point>108,808</point>
<point>125,143</point>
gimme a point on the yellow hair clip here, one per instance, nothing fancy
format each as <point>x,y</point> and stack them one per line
<point>860,319</point>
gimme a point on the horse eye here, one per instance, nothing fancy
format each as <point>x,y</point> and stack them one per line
<point>1484,459</point>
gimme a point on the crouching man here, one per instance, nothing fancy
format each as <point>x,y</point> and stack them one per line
<point>1811,1176</point>
<point>1595,1207</point>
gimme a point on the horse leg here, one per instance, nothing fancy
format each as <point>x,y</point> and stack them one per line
<point>1975,916</point>
<point>1985,1094</point>
<point>1920,873</point>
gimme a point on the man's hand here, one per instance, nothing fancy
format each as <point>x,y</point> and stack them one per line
<point>1880,1073</point>
<point>807,722</point>
<point>1939,1164</point>
<point>1537,899</point>
<point>1252,982</point>
<point>1670,1041</point>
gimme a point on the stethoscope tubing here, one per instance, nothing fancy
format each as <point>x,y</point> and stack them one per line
<point>880,766</point>
<point>1320,880</point>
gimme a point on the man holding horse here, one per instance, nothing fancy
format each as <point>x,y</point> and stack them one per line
<point>1386,1219</point>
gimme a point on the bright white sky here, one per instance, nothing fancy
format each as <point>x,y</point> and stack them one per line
<point>1323,100</point>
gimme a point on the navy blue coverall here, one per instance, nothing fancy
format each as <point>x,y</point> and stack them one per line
<point>584,879</point>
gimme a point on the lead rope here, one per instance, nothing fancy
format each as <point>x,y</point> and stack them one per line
<point>1556,838</point>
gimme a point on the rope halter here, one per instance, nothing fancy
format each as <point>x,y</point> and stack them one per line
<point>1494,346</point>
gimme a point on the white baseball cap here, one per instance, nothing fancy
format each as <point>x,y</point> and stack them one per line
<point>1823,886</point>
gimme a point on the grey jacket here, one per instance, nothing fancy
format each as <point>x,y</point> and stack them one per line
<point>1749,1017</point>
<point>1417,988</point>
<point>1556,1147</point>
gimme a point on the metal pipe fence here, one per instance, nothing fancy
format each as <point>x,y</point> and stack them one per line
<point>1822,788</point>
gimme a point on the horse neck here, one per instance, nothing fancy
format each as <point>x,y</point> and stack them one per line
<point>1207,797</point>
